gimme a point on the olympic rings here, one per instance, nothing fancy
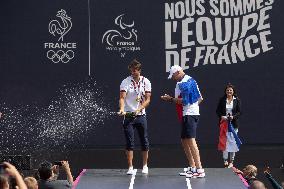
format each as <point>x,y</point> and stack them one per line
<point>60,55</point>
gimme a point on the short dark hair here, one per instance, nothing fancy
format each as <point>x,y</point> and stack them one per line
<point>135,64</point>
<point>45,170</point>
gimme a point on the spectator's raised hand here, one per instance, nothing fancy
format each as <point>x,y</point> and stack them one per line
<point>12,171</point>
<point>237,171</point>
<point>55,170</point>
<point>267,170</point>
<point>66,167</point>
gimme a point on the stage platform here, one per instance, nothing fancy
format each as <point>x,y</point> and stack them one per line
<point>158,178</point>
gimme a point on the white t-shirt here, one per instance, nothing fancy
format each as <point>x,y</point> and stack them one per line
<point>229,106</point>
<point>135,93</point>
<point>190,109</point>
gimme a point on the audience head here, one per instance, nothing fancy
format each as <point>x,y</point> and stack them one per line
<point>31,183</point>
<point>257,185</point>
<point>45,170</point>
<point>250,171</point>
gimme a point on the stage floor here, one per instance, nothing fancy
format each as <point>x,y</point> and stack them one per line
<point>158,178</point>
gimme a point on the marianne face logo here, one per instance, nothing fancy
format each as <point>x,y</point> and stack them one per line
<point>60,51</point>
<point>122,37</point>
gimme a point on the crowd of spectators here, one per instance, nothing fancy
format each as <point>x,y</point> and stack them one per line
<point>45,177</point>
<point>249,176</point>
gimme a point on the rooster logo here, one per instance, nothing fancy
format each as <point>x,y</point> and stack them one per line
<point>127,32</point>
<point>60,27</point>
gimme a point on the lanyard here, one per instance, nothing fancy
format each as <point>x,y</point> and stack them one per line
<point>137,88</point>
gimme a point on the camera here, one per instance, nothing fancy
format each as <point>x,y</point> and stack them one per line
<point>59,163</point>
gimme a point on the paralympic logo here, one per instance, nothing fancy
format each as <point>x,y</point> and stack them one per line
<point>122,39</point>
<point>60,55</point>
<point>128,32</point>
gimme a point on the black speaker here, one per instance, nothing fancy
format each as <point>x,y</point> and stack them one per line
<point>21,162</point>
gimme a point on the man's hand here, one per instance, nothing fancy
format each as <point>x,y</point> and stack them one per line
<point>55,169</point>
<point>137,111</point>
<point>0,114</point>
<point>166,97</point>
<point>121,112</point>
<point>65,165</point>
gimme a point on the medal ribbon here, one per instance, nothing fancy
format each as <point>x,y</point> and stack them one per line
<point>137,88</point>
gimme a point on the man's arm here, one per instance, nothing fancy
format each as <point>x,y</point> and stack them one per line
<point>272,181</point>
<point>200,100</point>
<point>121,102</point>
<point>168,98</point>
<point>145,103</point>
<point>66,167</point>
<point>11,170</point>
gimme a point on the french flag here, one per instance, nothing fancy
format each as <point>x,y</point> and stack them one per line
<point>189,94</point>
<point>179,110</point>
<point>228,138</point>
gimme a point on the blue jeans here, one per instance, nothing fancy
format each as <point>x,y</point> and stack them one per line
<point>140,124</point>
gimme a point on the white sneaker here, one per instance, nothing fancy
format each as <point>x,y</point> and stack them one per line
<point>145,170</point>
<point>187,171</point>
<point>182,174</point>
<point>190,175</point>
<point>184,171</point>
<point>131,171</point>
<point>200,173</point>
